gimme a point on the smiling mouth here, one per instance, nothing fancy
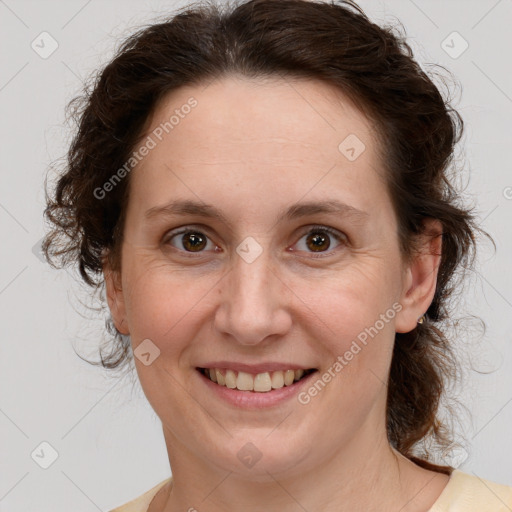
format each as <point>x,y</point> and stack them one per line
<point>260,383</point>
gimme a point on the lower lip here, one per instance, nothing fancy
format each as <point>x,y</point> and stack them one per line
<point>255,399</point>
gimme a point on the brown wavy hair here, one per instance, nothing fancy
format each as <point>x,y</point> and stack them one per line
<point>334,42</point>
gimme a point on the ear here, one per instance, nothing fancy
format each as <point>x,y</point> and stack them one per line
<point>420,277</point>
<point>115,297</point>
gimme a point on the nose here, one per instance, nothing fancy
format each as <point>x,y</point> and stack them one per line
<point>254,302</point>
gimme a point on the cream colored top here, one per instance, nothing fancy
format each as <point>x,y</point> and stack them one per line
<point>464,493</point>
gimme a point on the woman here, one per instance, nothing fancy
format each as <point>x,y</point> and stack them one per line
<point>262,190</point>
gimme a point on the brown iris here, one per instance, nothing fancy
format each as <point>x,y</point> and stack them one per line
<point>319,241</point>
<point>193,241</point>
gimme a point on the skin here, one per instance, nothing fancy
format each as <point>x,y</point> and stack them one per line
<point>252,148</point>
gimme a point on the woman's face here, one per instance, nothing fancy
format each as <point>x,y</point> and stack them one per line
<point>292,262</point>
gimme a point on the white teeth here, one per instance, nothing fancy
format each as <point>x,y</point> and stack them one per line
<point>289,377</point>
<point>277,380</point>
<point>262,382</point>
<point>244,382</point>
<point>220,378</point>
<point>230,379</point>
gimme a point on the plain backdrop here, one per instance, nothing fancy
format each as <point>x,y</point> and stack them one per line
<point>104,442</point>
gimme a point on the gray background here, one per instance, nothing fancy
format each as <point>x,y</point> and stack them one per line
<point>109,441</point>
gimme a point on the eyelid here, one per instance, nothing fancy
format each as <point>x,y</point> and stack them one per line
<point>201,228</point>
<point>320,227</point>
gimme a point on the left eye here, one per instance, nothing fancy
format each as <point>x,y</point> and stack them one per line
<point>316,239</point>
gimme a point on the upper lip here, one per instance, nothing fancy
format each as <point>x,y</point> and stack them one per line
<point>255,368</point>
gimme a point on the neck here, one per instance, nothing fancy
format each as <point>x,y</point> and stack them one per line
<point>369,477</point>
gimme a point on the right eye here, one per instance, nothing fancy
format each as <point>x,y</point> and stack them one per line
<point>188,240</point>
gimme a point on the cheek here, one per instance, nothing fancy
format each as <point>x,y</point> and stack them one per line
<point>351,315</point>
<point>349,300</point>
<point>162,302</point>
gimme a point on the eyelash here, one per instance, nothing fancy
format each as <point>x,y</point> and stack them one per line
<point>340,237</point>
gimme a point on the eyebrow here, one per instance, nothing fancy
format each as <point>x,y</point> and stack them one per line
<point>295,211</point>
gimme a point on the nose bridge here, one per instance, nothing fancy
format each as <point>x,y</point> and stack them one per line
<point>251,282</point>
<point>252,307</point>
<point>251,269</point>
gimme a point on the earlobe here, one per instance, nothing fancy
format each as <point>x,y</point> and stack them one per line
<point>421,277</point>
<point>115,299</point>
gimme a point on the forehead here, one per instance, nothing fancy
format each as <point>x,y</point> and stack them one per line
<point>274,111</point>
<point>287,133</point>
